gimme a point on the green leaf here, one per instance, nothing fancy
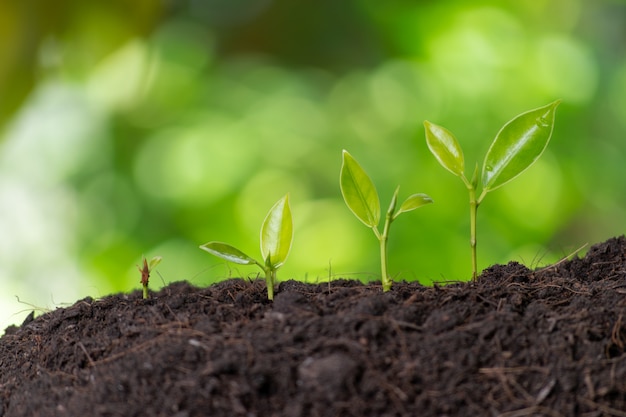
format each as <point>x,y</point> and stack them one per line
<point>413,202</point>
<point>154,262</point>
<point>517,145</point>
<point>445,147</point>
<point>359,191</point>
<point>230,253</point>
<point>277,234</point>
<point>474,181</point>
<point>393,203</point>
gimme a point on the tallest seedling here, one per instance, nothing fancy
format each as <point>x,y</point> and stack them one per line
<point>517,145</point>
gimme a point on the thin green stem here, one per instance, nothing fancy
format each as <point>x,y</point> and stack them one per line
<point>270,276</point>
<point>473,211</point>
<point>386,279</point>
<point>270,279</point>
<point>146,295</point>
<point>382,243</point>
<point>471,187</point>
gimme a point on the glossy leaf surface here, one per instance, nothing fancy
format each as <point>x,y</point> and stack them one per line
<point>413,202</point>
<point>445,147</point>
<point>517,145</point>
<point>227,252</point>
<point>359,191</point>
<point>277,234</point>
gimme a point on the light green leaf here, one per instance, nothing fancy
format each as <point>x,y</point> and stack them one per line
<point>393,203</point>
<point>445,147</point>
<point>517,145</point>
<point>154,262</point>
<point>277,234</point>
<point>474,181</point>
<point>413,202</point>
<point>359,191</point>
<point>230,253</point>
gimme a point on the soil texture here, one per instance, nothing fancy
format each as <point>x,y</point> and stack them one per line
<point>548,342</point>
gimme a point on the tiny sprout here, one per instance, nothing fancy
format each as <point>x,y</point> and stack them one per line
<point>276,239</point>
<point>145,273</point>
<point>361,197</point>
<point>519,143</point>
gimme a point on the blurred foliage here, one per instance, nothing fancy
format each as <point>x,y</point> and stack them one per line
<point>149,128</point>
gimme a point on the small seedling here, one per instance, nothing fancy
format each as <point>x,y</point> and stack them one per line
<point>145,273</point>
<point>276,238</point>
<point>519,143</point>
<point>361,197</point>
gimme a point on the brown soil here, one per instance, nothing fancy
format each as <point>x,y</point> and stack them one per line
<point>549,342</point>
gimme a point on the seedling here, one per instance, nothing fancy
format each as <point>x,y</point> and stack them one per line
<point>519,143</point>
<point>276,238</point>
<point>361,197</point>
<point>145,273</point>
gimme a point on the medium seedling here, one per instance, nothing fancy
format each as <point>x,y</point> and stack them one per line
<point>145,273</point>
<point>361,197</point>
<point>276,238</point>
<point>519,143</point>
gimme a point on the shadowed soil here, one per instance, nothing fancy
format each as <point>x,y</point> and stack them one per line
<point>549,342</point>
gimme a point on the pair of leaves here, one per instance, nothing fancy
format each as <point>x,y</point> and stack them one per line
<point>276,239</point>
<point>361,196</point>
<point>516,147</point>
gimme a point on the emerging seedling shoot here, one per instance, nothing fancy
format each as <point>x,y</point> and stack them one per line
<point>276,238</point>
<point>145,273</point>
<point>517,146</point>
<point>361,197</point>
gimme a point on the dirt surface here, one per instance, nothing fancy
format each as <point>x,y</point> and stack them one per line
<point>549,342</point>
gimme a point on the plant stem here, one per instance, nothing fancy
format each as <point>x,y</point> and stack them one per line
<point>473,211</point>
<point>385,279</point>
<point>270,278</point>
<point>145,292</point>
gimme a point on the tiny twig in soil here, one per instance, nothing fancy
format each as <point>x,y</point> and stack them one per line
<point>82,347</point>
<point>566,257</point>
<point>530,411</point>
<point>604,408</point>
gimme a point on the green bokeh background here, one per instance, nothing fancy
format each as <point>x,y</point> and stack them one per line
<point>150,127</point>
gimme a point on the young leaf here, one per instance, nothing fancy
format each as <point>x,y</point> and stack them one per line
<point>359,191</point>
<point>474,181</point>
<point>154,262</point>
<point>227,252</point>
<point>393,203</point>
<point>277,234</point>
<point>517,145</point>
<point>413,202</point>
<point>445,147</point>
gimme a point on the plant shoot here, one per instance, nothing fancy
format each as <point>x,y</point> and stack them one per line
<point>276,239</point>
<point>519,143</point>
<point>148,267</point>
<point>361,197</point>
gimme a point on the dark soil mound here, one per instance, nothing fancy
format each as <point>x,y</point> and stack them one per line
<point>549,342</point>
